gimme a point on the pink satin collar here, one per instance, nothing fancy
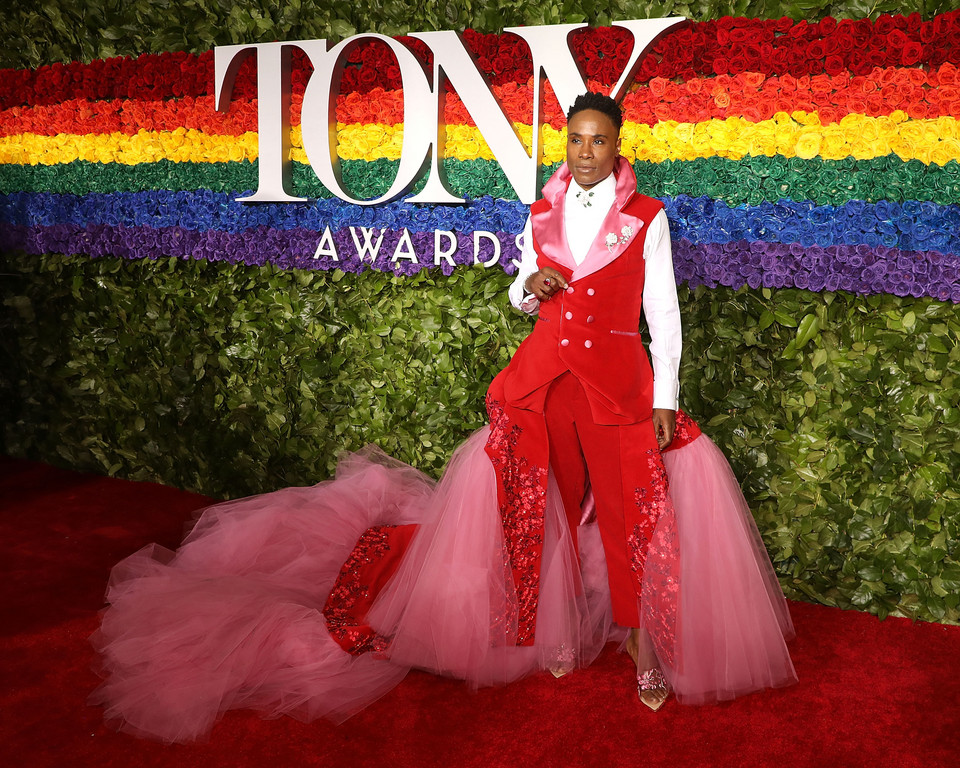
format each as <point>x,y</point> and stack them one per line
<point>548,226</point>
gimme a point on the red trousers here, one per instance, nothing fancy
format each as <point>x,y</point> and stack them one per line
<point>628,480</point>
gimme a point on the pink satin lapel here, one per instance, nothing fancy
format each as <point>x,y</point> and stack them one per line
<point>548,230</point>
<point>550,234</point>
<point>599,254</point>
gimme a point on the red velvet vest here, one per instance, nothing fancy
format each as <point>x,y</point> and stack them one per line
<point>591,329</point>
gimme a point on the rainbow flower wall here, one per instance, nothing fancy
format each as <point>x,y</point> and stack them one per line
<point>818,156</point>
<point>154,328</point>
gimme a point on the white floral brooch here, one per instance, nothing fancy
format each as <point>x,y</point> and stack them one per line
<point>612,241</point>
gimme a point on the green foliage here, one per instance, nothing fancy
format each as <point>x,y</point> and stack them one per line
<point>261,375</point>
<point>839,413</point>
<point>55,30</point>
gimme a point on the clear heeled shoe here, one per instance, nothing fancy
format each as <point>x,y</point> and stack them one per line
<point>652,688</point>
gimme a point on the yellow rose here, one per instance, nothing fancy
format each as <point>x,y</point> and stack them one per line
<point>945,151</point>
<point>236,151</point>
<point>808,144</point>
<point>554,144</point>
<point>525,132</point>
<point>834,145</point>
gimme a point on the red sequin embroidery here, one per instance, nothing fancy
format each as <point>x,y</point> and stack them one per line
<point>350,597</point>
<point>654,558</point>
<point>650,500</point>
<point>686,431</point>
<point>522,509</point>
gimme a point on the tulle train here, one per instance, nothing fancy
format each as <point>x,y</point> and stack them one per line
<point>234,619</point>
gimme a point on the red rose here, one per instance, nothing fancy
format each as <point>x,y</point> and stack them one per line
<point>912,53</point>
<point>783,24</point>
<point>862,31</point>
<point>504,64</point>
<point>624,50</point>
<point>897,39</point>
<point>647,69</point>
<point>594,68</point>
<point>844,40</point>
<point>752,56</point>
<point>827,26</point>
<point>884,24</point>
<point>744,34</point>
<point>726,22</point>
<point>607,42</point>
<point>348,79</point>
<point>876,58</point>
<point>720,65</point>
<point>833,65</point>
<point>366,78</point>
<point>777,60</point>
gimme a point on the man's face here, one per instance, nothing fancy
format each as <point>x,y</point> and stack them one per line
<point>593,144</point>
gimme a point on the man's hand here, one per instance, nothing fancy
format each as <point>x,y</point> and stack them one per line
<point>544,283</point>
<point>664,425</point>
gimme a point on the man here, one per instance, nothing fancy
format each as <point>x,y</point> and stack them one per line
<point>579,396</point>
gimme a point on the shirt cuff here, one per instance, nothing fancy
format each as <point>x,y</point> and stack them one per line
<point>666,395</point>
<point>530,304</point>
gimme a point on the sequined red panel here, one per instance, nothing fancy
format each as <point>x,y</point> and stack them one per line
<point>370,565</point>
<point>522,494</point>
<point>650,500</point>
<point>686,431</point>
<point>662,586</point>
<point>654,548</point>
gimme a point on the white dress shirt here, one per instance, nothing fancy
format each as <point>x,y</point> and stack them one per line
<point>660,305</point>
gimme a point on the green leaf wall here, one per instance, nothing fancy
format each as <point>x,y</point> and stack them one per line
<point>839,413</point>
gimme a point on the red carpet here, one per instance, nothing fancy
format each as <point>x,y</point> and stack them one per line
<point>871,693</point>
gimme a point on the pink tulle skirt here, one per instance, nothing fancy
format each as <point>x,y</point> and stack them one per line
<point>248,612</point>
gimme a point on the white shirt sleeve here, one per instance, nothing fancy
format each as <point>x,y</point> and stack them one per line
<point>662,311</point>
<point>528,265</point>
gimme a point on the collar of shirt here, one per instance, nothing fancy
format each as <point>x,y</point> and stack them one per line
<point>582,222</point>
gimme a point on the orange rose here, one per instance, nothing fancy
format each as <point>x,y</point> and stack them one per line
<point>828,115</point>
<point>657,87</point>
<point>788,83</point>
<point>821,84</point>
<point>947,74</point>
<point>857,104</point>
